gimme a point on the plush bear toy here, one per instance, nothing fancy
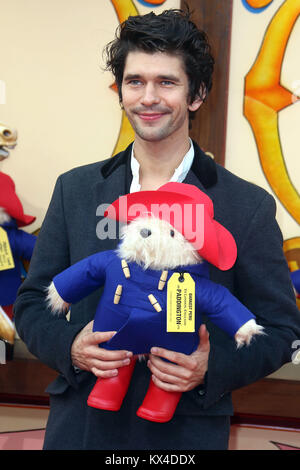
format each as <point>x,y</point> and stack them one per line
<point>15,245</point>
<point>157,287</point>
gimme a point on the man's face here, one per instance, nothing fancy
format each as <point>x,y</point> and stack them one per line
<point>155,95</point>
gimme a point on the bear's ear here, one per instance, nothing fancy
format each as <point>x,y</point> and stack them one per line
<point>4,217</point>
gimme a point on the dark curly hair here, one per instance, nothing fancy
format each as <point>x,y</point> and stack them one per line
<point>172,32</point>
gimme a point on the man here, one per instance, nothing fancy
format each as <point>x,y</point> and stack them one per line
<point>163,67</point>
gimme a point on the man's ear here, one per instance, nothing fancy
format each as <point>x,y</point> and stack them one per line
<point>195,105</point>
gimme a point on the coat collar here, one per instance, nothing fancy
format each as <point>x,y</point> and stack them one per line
<point>199,269</point>
<point>117,177</point>
<point>203,168</point>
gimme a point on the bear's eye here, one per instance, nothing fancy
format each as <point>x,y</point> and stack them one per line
<point>145,232</point>
<point>172,233</point>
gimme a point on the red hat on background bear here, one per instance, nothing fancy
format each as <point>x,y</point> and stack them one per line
<point>10,202</point>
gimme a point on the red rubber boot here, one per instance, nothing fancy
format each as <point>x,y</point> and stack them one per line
<point>8,309</point>
<point>158,405</point>
<point>109,393</point>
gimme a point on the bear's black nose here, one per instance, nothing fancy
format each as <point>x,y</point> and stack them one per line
<point>145,232</point>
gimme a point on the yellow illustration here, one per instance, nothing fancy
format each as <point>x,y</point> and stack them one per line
<point>125,8</point>
<point>264,98</point>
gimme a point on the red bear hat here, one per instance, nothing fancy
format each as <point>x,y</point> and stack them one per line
<point>11,203</point>
<point>192,215</point>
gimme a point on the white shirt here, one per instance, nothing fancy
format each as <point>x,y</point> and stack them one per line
<point>179,174</point>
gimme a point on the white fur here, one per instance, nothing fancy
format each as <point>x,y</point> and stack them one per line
<point>4,217</point>
<point>295,292</point>
<point>159,250</point>
<point>247,331</point>
<point>7,327</point>
<point>55,302</point>
<point>296,358</point>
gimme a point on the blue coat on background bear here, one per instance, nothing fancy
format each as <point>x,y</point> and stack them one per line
<point>22,245</point>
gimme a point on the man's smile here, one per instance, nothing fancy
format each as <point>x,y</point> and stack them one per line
<point>150,116</point>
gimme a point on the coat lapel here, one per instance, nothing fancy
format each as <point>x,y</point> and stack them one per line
<point>115,180</point>
<point>203,172</point>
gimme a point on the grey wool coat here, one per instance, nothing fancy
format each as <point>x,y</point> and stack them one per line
<point>260,279</point>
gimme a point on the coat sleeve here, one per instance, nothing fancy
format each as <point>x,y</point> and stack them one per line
<point>221,307</point>
<point>48,337</point>
<point>264,286</point>
<point>82,278</point>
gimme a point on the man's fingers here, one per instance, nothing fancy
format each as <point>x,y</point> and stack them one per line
<point>108,368</point>
<point>99,337</point>
<point>94,339</point>
<point>87,355</point>
<point>167,369</point>
<point>107,365</point>
<point>172,356</point>
<point>204,344</point>
<point>180,358</point>
<point>171,375</point>
<point>180,372</point>
<point>104,373</point>
<point>167,354</point>
<point>168,387</point>
<point>107,355</point>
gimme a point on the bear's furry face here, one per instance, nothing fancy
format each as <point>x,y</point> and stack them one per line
<point>155,244</point>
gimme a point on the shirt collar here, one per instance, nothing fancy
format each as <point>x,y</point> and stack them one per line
<point>179,174</point>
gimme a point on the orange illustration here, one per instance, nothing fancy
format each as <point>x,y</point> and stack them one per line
<point>259,3</point>
<point>264,98</point>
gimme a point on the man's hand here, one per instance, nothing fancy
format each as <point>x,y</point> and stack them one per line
<point>87,355</point>
<point>185,372</point>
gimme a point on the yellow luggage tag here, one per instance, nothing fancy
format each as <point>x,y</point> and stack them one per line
<point>181,303</point>
<point>6,257</point>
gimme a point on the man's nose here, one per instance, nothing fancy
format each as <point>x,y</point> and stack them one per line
<point>150,95</point>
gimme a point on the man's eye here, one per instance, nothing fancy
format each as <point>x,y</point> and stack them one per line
<point>134,82</point>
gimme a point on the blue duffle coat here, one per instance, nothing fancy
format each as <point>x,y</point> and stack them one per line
<point>139,326</point>
<point>21,244</point>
